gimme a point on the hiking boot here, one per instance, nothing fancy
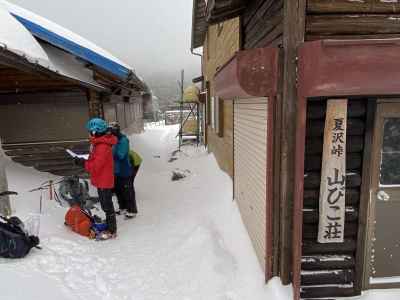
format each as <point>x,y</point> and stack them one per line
<point>130,215</point>
<point>120,212</point>
<point>106,235</point>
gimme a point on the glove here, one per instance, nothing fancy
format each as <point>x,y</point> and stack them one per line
<point>79,161</point>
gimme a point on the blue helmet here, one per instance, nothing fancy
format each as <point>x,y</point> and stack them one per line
<point>96,125</point>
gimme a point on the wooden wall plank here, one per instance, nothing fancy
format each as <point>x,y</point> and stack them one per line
<point>359,24</point>
<point>262,23</point>
<point>348,6</point>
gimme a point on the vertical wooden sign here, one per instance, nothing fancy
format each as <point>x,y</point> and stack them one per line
<point>333,176</point>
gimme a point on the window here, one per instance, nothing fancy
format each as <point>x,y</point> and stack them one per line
<point>220,27</point>
<point>208,104</point>
<point>212,109</point>
<point>216,115</point>
<point>208,46</point>
<point>390,161</point>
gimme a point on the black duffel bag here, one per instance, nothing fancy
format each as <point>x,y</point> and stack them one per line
<point>14,241</point>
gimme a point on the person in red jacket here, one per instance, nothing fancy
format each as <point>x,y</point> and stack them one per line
<point>100,166</point>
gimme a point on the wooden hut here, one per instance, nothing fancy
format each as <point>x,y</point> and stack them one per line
<point>51,82</point>
<point>310,115</point>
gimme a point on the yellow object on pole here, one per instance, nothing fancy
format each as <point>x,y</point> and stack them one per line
<point>191,94</point>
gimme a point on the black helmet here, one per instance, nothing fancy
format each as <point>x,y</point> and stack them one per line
<point>115,128</point>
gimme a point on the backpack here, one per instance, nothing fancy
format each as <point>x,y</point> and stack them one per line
<point>134,158</point>
<point>14,241</point>
<point>83,223</point>
<point>78,220</point>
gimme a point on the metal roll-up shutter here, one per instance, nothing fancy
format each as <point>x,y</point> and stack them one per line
<point>128,115</point>
<point>110,112</point>
<point>250,173</point>
<point>121,115</point>
<point>43,117</point>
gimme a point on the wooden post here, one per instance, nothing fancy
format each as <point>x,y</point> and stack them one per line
<point>5,208</point>
<point>293,35</point>
<point>361,270</point>
<point>95,104</point>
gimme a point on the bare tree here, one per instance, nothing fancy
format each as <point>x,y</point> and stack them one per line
<point>5,208</point>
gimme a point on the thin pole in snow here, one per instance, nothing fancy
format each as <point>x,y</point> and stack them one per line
<point>5,207</point>
<point>181,109</point>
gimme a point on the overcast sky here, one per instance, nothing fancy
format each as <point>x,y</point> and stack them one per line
<point>153,36</point>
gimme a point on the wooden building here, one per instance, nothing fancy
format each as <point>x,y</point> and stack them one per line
<point>276,74</point>
<point>51,82</point>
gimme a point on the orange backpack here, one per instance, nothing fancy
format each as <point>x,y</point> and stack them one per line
<point>79,221</point>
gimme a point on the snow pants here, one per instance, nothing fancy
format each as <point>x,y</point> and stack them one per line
<point>132,189</point>
<point>123,187</point>
<point>105,198</point>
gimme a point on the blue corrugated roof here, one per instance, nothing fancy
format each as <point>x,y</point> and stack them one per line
<point>74,48</point>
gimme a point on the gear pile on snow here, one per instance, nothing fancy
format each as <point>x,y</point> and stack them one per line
<point>15,242</point>
<point>83,223</point>
<point>75,191</point>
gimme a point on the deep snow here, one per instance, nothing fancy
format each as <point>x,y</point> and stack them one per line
<point>187,243</point>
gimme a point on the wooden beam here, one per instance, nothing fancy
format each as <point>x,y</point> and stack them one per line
<point>360,268</point>
<point>327,292</point>
<point>95,104</point>
<point>315,248</point>
<point>346,6</point>
<point>13,61</point>
<point>359,24</point>
<point>293,35</point>
<point>277,115</point>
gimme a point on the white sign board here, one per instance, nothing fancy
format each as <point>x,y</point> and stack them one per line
<point>333,175</point>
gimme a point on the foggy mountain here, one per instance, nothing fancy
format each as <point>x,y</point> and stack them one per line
<point>165,86</point>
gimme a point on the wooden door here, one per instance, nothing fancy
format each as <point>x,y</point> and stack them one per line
<point>383,258</point>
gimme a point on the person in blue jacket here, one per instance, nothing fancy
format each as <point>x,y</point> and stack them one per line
<point>122,171</point>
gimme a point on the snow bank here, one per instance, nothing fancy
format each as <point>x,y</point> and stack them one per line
<point>188,241</point>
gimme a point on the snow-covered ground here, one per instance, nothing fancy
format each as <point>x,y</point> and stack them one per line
<point>188,241</point>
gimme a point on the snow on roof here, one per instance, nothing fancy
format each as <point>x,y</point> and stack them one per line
<point>65,39</point>
<point>69,66</point>
<point>19,40</point>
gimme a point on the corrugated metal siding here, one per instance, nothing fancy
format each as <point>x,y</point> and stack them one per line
<point>250,175</point>
<point>121,115</point>
<point>110,112</point>
<point>43,117</point>
<point>128,114</point>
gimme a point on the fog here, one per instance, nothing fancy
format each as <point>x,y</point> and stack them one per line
<point>152,36</point>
